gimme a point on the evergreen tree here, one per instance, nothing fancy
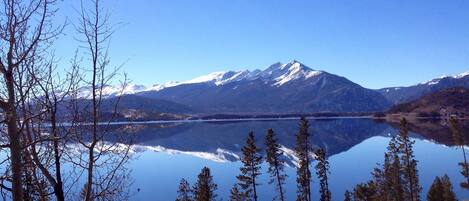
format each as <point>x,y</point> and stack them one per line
<point>251,168</point>
<point>184,191</point>
<point>322,169</point>
<point>386,182</point>
<point>347,196</point>
<point>276,165</point>
<point>365,192</point>
<point>441,190</point>
<point>204,189</point>
<point>410,183</point>
<point>236,195</point>
<point>436,191</point>
<point>397,179</point>
<point>302,150</point>
<point>391,188</point>
<point>448,193</point>
<point>459,141</point>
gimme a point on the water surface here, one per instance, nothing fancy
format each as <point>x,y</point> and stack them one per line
<point>167,152</point>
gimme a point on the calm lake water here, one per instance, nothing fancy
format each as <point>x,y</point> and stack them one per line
<point>167,152</point>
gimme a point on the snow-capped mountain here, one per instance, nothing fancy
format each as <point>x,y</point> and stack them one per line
<point>277,74</point>
<point>112,91</point>
<point>280,88</point>
<point>405,94</point>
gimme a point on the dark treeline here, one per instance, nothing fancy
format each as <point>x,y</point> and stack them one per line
<point>396,179</point>
<point>292,115</point>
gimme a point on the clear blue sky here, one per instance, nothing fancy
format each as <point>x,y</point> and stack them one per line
<point>373,43</point>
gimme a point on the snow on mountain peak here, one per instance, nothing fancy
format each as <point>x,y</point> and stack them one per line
<point>461,75</point>
<point>437,80</point>
<point>211,77</point>
<point>276,74</point>
<point>112,91</point>
<point>157,87</point>
<point>220,78</point>
<point>292,71</point>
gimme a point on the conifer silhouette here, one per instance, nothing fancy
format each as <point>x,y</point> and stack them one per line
<point>204,189</point>
<point>411,184</point>
<point>441,190</point>
<point>184,191</point>
<point>236,194</point>
<point>250,170</point>
<point>460,141</point>
<point>322,170</point>
<point>276,165</point>
<point>302,151</point>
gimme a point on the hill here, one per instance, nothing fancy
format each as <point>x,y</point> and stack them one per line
<point>280,88</point>
<point>453,101</point>
<point>398,95</point>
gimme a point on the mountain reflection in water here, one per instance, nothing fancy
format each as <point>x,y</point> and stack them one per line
<point>354,147</point>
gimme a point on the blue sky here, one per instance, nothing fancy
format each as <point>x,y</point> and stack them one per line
<point>373,43</point>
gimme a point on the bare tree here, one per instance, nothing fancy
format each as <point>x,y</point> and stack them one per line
<point>106,152</point>
<point>24,28</point>
<point>49,99</point>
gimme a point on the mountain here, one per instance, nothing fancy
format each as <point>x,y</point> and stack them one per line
<point>445,102</point>
<point>139,103</point>
<point>110,91</point>
<point>130,107</point>
<point>280,88</point>
<point>398,95</point>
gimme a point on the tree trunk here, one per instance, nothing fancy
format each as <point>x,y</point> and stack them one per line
<point>254,188</point>
<point>279,180</point>
<point>15,144</point>
<point>58,187</point>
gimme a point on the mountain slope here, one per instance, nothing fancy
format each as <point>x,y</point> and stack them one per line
<point>404,94</point>
<point>127,107</point>
<point>281,88</point>
<point>448,101</point>
<point>134,102</point>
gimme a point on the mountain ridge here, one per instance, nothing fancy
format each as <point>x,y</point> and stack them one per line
<point>399,95</point>
<point>280,88</point>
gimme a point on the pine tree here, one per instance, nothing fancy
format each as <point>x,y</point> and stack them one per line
<point>322,169</point>
<point>386,182</point>
<point>459,141</point>
<point>204,189</point>
<point>365,192</point>
<point>276,165</point>
<point>441,190</point>
<point>397,179</point>
<point>411,184</point>
<point>436,191</point>
<point>236,195</point>
<point>251,168</point>
<point>184,191</point>
<point>302,150</point>
<point>347,196</point>
<point>392,189</point>
<point>448,193</point>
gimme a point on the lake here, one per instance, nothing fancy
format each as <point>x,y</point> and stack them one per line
<point>167,152</point>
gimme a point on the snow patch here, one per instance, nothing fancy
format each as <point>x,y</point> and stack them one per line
<point>295,71</point>
<point>220,155</point>
<point>461,75</point>
<point>437,80</point>
<point>277,74</point>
